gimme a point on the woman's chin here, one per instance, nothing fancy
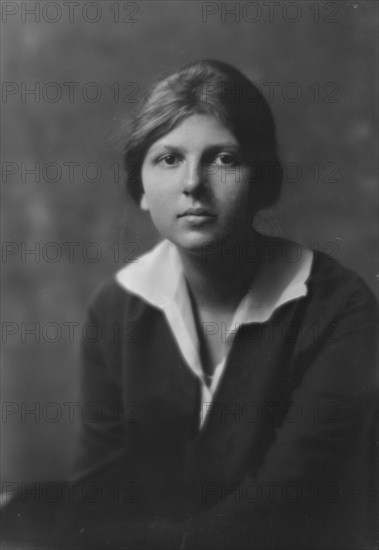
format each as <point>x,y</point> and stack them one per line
<point>195,243</point>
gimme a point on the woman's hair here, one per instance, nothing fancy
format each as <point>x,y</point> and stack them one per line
<point>218,89</point>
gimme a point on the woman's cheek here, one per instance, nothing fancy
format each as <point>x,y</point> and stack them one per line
<point>160,213</point>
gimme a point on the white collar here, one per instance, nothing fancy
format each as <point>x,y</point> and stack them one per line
<point>158,278</point>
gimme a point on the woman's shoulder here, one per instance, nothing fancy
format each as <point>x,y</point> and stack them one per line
<point>333,282</point>
<point>339,306</point>
<point>135,286</point>
<point>333,290</point>
<point>328,280</point>
<point>110,300</point>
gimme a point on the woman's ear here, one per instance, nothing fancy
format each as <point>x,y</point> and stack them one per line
<point>144,204</point>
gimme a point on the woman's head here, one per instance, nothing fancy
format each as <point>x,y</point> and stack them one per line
<point>209,88</point>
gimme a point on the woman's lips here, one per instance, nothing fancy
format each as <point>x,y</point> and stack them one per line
<point>197,216</point>
<point>197,212</point>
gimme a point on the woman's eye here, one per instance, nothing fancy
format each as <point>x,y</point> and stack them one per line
<point>169,160</point>
<point>226,159</point>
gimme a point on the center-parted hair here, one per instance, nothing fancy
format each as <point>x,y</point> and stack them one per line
<point>218,89</point>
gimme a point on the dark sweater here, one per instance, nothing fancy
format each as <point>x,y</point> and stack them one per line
<point>285,457</point>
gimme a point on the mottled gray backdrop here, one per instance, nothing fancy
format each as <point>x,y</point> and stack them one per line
<point>71,74</point>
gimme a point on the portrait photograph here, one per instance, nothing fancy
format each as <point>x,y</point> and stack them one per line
<point>189,275</point>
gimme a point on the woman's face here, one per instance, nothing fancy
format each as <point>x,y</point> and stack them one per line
<point>196,185</point>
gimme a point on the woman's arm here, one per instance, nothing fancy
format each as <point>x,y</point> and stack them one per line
<point>104,466</point>
<point>101,445</point>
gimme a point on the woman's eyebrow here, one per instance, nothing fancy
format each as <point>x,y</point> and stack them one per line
<point>224,146</point>
<point>214,148</point>
<point>166,147</point>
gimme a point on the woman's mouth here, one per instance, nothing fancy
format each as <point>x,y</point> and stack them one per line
<point>197,216</point>
<point>197,212</point>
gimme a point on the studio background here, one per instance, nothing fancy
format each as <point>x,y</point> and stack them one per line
<point>315,61</point>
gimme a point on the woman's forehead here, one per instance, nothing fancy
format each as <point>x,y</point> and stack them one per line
<point>197,130</point>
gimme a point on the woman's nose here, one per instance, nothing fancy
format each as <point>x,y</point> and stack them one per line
<point>194,178</point>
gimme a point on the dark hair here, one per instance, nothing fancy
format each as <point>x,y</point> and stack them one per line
<point>215,88</point>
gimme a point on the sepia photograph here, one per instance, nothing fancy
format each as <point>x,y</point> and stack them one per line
<point>189,275</point>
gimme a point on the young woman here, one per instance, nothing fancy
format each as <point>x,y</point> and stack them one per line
<point>234,373</point>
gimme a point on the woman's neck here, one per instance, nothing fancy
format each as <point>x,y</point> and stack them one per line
<point>220,277</point>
